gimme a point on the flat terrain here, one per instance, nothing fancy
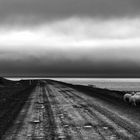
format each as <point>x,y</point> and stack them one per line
<point>55,111</point>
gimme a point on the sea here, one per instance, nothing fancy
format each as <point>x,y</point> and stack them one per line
<point>121,84</point>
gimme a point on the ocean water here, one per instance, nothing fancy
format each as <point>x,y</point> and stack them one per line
<point>122,84</point>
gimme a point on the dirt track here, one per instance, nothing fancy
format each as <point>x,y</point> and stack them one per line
<point>54,112</point>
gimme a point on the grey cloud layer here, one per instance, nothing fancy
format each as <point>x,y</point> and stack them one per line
<point>82,68</point>
<point>34,10</point>
<point>107,63</point>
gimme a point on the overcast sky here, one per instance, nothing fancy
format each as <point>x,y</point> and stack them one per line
<point>84,38</point>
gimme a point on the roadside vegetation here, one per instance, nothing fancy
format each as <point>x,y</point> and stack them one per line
<point>13,96</point>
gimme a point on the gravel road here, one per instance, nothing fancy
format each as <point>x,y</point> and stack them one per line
<point>57,112</point>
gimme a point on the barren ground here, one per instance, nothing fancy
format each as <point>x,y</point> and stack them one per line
<point>54,111</point>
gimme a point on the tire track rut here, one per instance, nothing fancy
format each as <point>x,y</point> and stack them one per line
<point>118,126</point>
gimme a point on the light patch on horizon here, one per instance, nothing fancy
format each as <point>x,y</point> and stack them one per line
<point>74,38</point>
<point>75,32</point>
<point>93,40</point>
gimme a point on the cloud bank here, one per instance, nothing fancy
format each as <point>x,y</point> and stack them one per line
<point>70,37</point>
<point>34,11</point>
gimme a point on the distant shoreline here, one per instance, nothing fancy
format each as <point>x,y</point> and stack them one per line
<point>121,84</point>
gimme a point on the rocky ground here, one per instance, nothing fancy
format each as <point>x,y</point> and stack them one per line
<point>54,111</point>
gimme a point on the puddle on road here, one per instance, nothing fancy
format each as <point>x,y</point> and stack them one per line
<point>29,135</point>
<point>65,125</point>
<point>88,126</point>
<point>35,121</point>
<point>105,128</point>
<point>113,137</point>
<point>61,116</point>
<point>61,137</point>
<point>40,107</point>
<point>38,138</point>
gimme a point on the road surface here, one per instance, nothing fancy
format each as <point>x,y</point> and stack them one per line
<point>57,112</point>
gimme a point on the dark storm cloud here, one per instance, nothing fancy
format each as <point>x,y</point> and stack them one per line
<point>95,38</point>
<point>68,68</point>
<point>42,10</point>
<point>107,62</point>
